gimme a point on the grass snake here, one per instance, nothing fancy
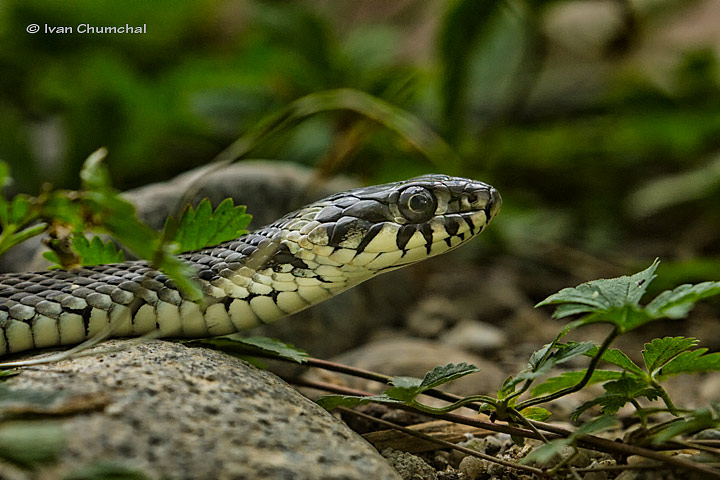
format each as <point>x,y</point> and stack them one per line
<point>303,258</point>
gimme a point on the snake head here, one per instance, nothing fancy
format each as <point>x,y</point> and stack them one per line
<point>383,227</point>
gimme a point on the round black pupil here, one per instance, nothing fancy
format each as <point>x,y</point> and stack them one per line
<point>418,202</point>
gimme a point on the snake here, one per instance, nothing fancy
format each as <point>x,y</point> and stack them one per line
<point>300,260</point>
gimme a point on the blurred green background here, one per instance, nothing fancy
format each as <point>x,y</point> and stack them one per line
<point>598,120</point>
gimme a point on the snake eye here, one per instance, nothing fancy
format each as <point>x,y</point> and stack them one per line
<point>417,204</point>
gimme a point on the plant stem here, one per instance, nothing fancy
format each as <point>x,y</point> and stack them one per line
<point>588,375</point>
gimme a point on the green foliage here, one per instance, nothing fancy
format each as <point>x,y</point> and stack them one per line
<point>247,346</point>
<point>617,301</point>
<point>465,23</point>
<point>93,252</point>
<point>405,390</point>
<point>540,364</point>
<point>29,444</point>
<point>545,453</point>
<point>99,207</point>
<point>203,227</point>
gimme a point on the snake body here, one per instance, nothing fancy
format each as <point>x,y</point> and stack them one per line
<point>299,260</point>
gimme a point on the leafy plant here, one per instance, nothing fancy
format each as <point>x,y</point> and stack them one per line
<point>67,215</point>
<point>616,302</point>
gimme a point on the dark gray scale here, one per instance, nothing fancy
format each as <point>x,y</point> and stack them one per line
<point>167,295</point>
<point>404,234</point>
<point>452,223</point>
<point>331,213</point>
<point>471,224</point>
<point>49,309</point>
<point>427,234</point>
<point>369,235</point>
<point>370,210</point>
<point>345,227</point>
<point>30,300</point>
<point>343,201</point>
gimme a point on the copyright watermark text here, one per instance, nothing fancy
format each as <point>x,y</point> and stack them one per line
<point>85,28</point>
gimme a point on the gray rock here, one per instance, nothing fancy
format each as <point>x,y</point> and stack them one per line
<point>474,336</point>
<point>182,413</point>
<point>409,466</point>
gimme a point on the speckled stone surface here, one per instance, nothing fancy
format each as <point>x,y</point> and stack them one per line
<point>187,413</point>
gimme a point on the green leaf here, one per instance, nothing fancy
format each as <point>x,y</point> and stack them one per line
<point>546,452</point>
<point>201,227</point>
<point>462,27</point>
<point>605,294</point>
<point>696,421</point>
<point>405,389</point>
<point>95,252</point>
<point>94,174</point>
<point>570,379</point>
<point>235,344</point>
<point>29,444</point>
<point>692,362</point>
<point>660,350</point>
<point>19,212</point>
<point>678,302</point>
<point>617,394</point>
<point>618,358</point>
<point>444,374</point>
<point>330,402</point>
<point>538,414</point>
<point>542,361</point>
<point>614,300</point>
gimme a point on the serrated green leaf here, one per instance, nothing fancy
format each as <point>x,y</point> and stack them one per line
<point>541,362</point>
<point>447,373</point>
<point>330,402</point>
<point>678,302</point>
<point>570,379</point>
<point>95,252</point>
<point>406,382</point>
<point>617,394</point>
<point>201,227</point>
<point>694,361</point>
<point>538,414</point>
<point>616,299</point>
<point>661,350</point>
<point>618,358</point>
<point>30,444</point>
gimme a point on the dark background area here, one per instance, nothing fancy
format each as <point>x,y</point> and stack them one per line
<point>598,120</point>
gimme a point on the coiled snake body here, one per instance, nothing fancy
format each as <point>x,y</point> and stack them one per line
<point>300,260</point>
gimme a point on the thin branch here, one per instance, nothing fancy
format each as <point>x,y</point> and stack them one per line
<point>587,441</point>
<point>443,443</point>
